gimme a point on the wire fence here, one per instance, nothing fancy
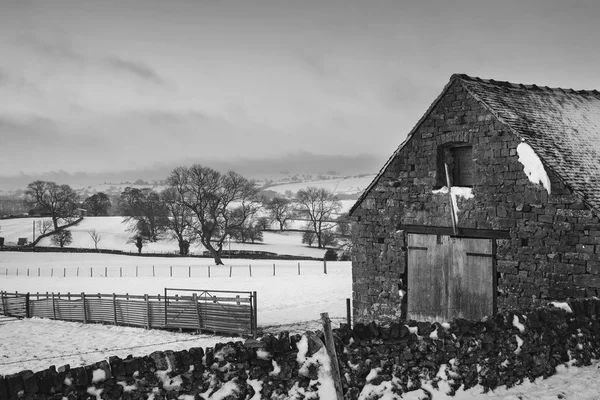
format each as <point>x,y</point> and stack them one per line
<point>179,271</point>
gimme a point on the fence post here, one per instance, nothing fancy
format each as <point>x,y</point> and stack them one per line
<point>330,345</point>
<point>65,272</point>
<point>91,272</point>
<point>255,313</point>
<point>120,272</point>
<point>298,268</point>
<point>115,308</point>
<point>83,306</point>
<point>147,311</point>
<point>153,271</point>
<point>105,272</point>
<point>273,269</point>
<point>325,267</point>
<point>166,299</point>
<point>250,269</point>
<point>230,269</point>
<point>53,306</point>
<point>171,271</point>
<point>209,271</point>
<point>195,300</point>
<point>3,294</point>
<point>348,313</point>
<point>190,271</point>
<point>38,271</point>
<point>27,312</point>
<point>27,271</point>
<point>77,271</point>
<point>136,271</point>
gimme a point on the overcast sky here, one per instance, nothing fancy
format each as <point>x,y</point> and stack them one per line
<point>88,85</point>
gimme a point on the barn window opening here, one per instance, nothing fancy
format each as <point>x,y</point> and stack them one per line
<point>380,240</point>
<point>461,166</point>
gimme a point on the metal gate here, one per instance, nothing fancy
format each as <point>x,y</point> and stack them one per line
<point>211,310</point>
<point>449,277</point>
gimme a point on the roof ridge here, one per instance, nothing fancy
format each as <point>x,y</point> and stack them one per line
<point>521,86</point>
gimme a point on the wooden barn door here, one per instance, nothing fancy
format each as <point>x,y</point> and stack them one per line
<point>449,277</point>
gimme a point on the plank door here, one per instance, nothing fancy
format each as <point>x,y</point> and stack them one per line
<point>449,278</point>
<point>471,277</point>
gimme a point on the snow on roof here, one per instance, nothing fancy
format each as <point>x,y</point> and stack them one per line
<point>562,126</point>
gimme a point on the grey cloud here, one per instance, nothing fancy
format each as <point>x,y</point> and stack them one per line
<point>4,77</point>
<point>137,68</point>
<point>64,50</point>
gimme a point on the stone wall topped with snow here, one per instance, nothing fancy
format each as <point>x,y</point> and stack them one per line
<point>272,367</point>
<point>388,360</point>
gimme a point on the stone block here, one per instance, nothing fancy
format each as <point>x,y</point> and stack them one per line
<point>117,366</point>
<point>44,381</point>
<point>3,389</point>
<point>160,360</point>
<point>79,376</point>
<point>587,280</point>
<point>14,385</point>
<point>101,371</point>
<point>29,382</point>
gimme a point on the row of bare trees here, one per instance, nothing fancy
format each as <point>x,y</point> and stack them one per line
<point>210,207</point>
<point>201,205</point>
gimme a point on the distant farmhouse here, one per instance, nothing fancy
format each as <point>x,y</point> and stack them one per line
<point>519,226</point>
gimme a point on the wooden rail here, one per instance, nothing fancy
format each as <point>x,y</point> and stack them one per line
<point>201,310</point>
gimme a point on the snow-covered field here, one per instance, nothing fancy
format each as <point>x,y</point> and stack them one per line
<point>345,185</point>
<point>288,299</point>
<point>284,299</point>
<point>114,236</point>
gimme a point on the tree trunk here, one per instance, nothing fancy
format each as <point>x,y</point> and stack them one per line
<point>215,253</point>
<point>55,222</point>
<point>217,257</point>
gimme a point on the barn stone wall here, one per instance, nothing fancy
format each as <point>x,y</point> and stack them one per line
<point>554,245</point>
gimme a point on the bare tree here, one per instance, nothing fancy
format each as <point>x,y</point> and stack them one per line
<point>44,225</point>
<point>317,205</point>
<point>146,210</point>
<point>57,201</point>
<point>179,219</point>
<point>96,237</point>
<point>281,210</point>
<point>308,238</point>
<point>220,203</point>
<point>62,238</point>
<point>97,204</point>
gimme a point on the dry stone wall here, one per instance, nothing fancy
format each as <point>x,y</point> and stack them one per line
<point>554,247</point>
<point>274,367</point>
<point>503,350</point>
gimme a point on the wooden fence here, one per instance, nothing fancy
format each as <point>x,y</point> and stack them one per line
<point>229,312</point>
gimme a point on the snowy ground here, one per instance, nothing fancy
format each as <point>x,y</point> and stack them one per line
<point>37,343</point>
<point>115,236</point>
<point>286,298</point>
<point>285,301</point>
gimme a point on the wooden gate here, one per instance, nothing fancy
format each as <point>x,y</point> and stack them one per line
<point>449,277</point>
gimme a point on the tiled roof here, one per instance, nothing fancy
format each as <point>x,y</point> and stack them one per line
<point>561,125</point>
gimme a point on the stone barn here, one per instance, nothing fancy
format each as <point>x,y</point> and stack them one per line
<point>491,203</point>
